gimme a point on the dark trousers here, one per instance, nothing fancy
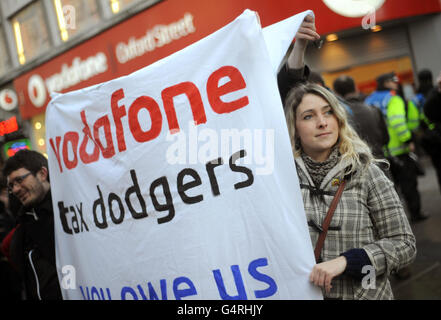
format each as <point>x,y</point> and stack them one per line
<point>404,174</point>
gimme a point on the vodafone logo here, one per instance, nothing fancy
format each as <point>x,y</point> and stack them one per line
<point>37,90</point>
<point>8,99</point>
<point>78,71</point>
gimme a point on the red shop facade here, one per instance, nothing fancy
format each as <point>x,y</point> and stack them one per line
<point>170,25</point>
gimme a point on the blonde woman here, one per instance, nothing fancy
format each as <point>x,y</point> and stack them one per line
<point>369,236</point>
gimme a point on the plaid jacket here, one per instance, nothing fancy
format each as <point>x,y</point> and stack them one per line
<point>369,216</point>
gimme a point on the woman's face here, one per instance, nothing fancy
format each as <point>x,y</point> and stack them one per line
<point>316,126</point>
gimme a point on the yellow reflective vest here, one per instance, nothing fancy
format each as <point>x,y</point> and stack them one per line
<point>394,111</point>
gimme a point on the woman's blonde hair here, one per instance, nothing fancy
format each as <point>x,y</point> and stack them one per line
<point>350,144</point>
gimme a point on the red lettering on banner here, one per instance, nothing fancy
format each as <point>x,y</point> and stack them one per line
<point>214,93</point>
<point>155,117</point>
<point>109,150</point>
<point>84,156</point>
<point>57,150</point>
<point>118,113</point>
<point>73,138</point>
<point>194,97</point>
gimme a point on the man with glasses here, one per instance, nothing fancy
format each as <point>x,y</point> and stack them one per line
<point>31,247</point>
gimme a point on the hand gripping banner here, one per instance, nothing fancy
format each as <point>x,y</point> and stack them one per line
<point>178,181</point>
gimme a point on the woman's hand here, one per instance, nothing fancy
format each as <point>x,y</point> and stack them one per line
<point>323,273</point>
<point>306,32</point>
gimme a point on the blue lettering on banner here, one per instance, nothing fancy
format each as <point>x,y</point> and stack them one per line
<point>129,290</point>
<point>181,293</point>
<point>272,286</point>
<point>152,292</point>
<point>184,287</point>
<point>242,295</point>
<point>94,295</point>
<point>252,270</point>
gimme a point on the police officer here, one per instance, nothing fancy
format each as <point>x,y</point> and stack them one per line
<point>403,169</point>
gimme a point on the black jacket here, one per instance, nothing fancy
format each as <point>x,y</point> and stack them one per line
<point>432,107</point>
<point>32,251</point>
<point>370,125</point>
<point>289,78</point>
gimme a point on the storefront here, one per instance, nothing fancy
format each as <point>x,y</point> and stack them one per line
<point>404,45</point>
<point>13,131</point>
<point>167,26</point>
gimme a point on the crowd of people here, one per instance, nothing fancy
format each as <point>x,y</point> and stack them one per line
<point>354,156</point>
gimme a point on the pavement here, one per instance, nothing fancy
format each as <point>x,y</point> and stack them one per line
<point>424,282</point>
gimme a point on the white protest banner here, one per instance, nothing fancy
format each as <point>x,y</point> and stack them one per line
<point>178,181</point>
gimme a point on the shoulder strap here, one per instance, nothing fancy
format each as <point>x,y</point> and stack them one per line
<point>327,221</point>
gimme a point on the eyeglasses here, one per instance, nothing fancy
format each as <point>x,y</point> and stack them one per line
<point>17,180</point>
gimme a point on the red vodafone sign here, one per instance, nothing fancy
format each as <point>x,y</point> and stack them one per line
<point>8,99</point>
<point>170,26</point>
<point>116,52</point>
<point>70,71</point>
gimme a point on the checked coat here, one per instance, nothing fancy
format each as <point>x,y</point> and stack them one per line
<point>369,216</point>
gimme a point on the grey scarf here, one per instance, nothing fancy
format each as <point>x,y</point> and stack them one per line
<point>318,170</point>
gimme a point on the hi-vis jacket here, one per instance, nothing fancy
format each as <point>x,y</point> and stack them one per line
<point>394,110</point>
<point>369,216</point>
<point>418,101</point>
<point>413,116</point>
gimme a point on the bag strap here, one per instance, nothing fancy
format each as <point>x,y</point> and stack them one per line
<point>327,221</point>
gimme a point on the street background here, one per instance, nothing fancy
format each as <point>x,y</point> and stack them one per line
<point>425,280</point>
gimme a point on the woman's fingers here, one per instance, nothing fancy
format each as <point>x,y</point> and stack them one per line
<point>323,273</point>
<point>309,18</point>
<point>327,284</point>
<point>307,30</point>
<point>307,33</point>
<point>319,276</point>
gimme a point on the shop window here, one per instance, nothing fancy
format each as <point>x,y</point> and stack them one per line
<point>120,5</point>
<point>5,63</point>
<point>39,133</point>
<point>31,32</point>
<point>75,16</point>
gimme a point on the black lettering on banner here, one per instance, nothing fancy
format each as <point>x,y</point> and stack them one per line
<point>63,211</point>
<point>162,200</point>
<point>210,171</point>
<point>75,225</point>
<point>168,197</point>
<point>114,197</point>
<point>182,187</point>
<point>96,203</point>
<point>80,213</point>
<point>135,189</point>
<point>236,168</point>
